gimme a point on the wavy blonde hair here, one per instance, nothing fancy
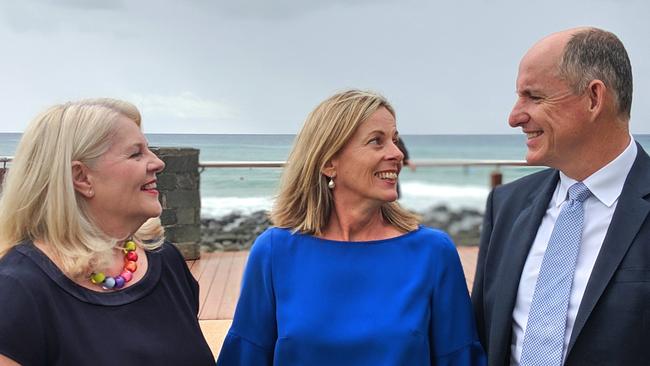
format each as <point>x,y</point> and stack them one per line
<point>39,202</point>
<point>304,202</point>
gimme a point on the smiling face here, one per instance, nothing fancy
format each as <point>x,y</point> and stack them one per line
<point>554,119</point>
<point>123,181</point>
<point>368,165</point>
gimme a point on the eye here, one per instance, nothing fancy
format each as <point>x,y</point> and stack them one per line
<point>136,155</point>
<point>375,141</point>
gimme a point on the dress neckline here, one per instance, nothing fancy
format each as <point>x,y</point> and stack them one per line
<point>114,298</point>
<point>364,242</point>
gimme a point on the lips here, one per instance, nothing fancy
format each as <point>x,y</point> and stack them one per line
<point>149,186</point>
<point>533,134</point>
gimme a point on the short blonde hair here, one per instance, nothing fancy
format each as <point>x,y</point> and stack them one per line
<point>304,202</point>
<point>38,199</point>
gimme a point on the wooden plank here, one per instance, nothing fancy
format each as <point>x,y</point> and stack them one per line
<point>233,287</point>
<point>205,274</point>
<point>468,260</point>
<point>190,263</point>
<point>217,287</point>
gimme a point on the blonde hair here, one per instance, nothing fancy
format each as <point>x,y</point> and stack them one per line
<point>304,202</point>
<point>38,199</point>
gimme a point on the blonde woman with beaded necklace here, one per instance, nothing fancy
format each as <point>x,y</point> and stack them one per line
<point>82,280</point>
<point>347,276</point>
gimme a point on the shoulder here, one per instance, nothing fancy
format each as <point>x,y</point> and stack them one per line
<point>271,237</point>
<point>169,251</point>
<point>16,266</point>
<point>436,241</point>
<point>22,282</point>
<point>169,256</point>
<point>524,186</point>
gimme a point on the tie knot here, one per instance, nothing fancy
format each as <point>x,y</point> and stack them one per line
<point>579,192</point>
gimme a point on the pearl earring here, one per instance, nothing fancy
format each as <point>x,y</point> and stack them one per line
<point>331,183</point>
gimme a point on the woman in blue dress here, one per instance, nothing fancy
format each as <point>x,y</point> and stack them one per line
<point>347,276</point>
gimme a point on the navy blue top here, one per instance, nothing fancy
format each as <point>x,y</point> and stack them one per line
<point>47,319</point>
<point>311,301</point>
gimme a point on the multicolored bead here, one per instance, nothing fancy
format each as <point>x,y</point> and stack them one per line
<point>108,283</point>
<point>132,256</point>
<point>131,266</point>
<point>126,275</point>
<point>97,278</point>
<point>129,246</point>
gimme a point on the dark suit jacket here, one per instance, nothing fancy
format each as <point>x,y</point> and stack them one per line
<point>612,326</point>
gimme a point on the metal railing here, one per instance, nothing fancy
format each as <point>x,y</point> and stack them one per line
<point>496,177</point>
<point>4,160</point>
<point>419,163</point>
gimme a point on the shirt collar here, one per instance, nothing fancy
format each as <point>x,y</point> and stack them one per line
<point>607,183</point>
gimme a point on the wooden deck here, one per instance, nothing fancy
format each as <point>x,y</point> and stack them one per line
<point>219,275</point>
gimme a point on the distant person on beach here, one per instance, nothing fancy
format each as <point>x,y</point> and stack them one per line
<point>85,278</point>
<point>406,161</point>
<point>347,276</point>
<point>563,274</point>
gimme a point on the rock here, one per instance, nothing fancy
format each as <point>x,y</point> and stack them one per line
<point>238,232</point>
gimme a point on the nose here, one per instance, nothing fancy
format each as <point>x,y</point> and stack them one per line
<point>518,115</point>
<point>394,153</point>
<point>155,165</point>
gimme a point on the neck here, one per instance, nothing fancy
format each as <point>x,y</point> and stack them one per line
<point>118,229</point>
<point>358,223</point>
<point>602,147</point>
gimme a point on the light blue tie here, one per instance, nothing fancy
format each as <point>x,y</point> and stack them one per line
<point>544,337</point>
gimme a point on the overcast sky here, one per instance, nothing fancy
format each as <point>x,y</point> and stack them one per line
<point>260,66</point>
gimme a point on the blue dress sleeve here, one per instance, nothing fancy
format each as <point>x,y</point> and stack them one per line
<point>21,328</point>
<point>252,336</point>
<point>453,337</point>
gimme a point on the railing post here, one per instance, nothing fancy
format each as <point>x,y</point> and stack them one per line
<point>496,178</point>
<point>3,170</point>
<point>2,176</point>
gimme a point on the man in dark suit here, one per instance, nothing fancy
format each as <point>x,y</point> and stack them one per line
<point>574,95</point>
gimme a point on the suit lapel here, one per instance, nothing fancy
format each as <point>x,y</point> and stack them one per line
<point>631,211</point>
<point>518,243</point>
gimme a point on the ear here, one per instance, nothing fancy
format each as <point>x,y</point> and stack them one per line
<point>330,168</point>
<point>80,179</point>
<point>596,91</point>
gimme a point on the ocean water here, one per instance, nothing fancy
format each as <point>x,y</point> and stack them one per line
<point>250,189</point>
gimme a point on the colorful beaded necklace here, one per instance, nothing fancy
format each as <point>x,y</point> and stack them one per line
<point>130,266</point>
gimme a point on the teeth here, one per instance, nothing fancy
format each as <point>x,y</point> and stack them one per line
<point>387,175</point>
<point>531,135</point>
<point>149,186</point>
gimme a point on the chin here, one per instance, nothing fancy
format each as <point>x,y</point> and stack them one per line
<point>154,212</point>
<point>535,158</point>
<point>391,198</point>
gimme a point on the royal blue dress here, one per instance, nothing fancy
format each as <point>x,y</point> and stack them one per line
<point>311,301</point>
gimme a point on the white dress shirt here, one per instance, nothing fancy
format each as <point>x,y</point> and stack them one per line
<point>606,185</point>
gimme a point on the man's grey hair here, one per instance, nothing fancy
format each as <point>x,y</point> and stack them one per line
<point>595,54</point>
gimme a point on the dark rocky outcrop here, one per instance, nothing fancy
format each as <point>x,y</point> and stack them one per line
<point>237,231</point>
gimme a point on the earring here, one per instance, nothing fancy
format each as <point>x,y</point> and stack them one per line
<point>331,183</point>
<point>90,192</point>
